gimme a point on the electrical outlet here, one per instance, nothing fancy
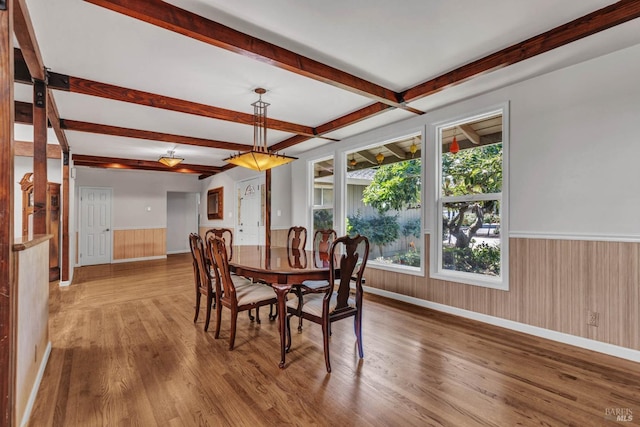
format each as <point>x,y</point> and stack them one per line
<point>593,318</point>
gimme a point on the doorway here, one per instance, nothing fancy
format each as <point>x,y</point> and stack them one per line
<point>182,219</point>
<point>95,226</point>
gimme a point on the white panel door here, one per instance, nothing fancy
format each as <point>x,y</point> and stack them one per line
<point>95,226</point>
<point>250,228</point>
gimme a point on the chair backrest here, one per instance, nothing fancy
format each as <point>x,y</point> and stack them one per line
<point>322,241</point>
<point>351,254</point>
<point>297,258</point>
<point>223,233</point>
<point>297,238</point>
<point>218,253</point>
<point>200,263</point>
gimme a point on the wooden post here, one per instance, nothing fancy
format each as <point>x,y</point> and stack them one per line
<point>39,157</point>
<point>64,253</point>
<point>267,208</point>
<point>7,285</point>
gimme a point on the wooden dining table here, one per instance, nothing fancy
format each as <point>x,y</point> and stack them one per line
<point>282,268</point>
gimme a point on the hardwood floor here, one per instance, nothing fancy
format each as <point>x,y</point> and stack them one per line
<point>127,353</point>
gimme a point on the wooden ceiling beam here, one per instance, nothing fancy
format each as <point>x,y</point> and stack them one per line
<point>592,23</point>
<point>30,53</point>
<point>346,120</point>
<point>151,136</point>
<point>471,134</point>
<point>181,21</point>
<point>25,149</point>
<point>396,151</point>
<point>119,163</point>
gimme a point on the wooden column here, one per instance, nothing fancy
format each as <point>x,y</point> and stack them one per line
<point>267,207</point>
<point>66,170</point>
<point>39,157</point>
<point>7,287</point>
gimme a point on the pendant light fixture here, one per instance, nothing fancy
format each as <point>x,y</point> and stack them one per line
<point>259,158</point>
<point>454,147</point>
<point>169,159</point>
<point>380,158</point>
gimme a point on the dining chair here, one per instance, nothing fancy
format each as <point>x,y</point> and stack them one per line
<point>227,235</point>
<point>297,238</point>
<point>237,295</point>
<point>329,301</point>
<point>202,277</point>
<point>322,241</point>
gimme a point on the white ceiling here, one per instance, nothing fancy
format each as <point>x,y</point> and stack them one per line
<point>394,44</point>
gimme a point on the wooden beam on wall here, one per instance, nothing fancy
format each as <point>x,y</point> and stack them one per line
<point>25,149</point>
<point>8,297</point>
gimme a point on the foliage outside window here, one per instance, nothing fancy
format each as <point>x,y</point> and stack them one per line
<point>384,200</point>
<point>471,242</point>
<point>322,209</point>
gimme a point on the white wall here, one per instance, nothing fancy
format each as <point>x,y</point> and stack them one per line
<point>573,157</point>
<point>21,166</point>
<point>139,197</point>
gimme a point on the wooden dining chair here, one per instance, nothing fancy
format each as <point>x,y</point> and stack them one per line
<point>322,241</point>
<point>297,238</point>
<point>202,277</point>
<point>237,295</point>
<point>329,301</point>
<point>224,233</point>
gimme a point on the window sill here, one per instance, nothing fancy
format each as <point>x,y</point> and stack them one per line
<point>500,284</point>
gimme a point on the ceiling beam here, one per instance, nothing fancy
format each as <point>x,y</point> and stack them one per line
<point>346,120</point>
<point>369,157</point>
<point>396,151</point>
<point>151,136</point>
<point>471,134</point>
<point>181,21</point>
<point>592,23</point>
<point>119,163</point>
<point>30,53</point>
<point>25,149</point>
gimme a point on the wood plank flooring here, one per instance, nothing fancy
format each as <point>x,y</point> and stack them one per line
<point>127,353</point>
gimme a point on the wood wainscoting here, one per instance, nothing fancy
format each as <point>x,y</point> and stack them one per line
<point>139,243</point>
<point>553,284</point>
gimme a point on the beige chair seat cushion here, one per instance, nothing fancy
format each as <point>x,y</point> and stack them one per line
<point>314,284</point>
<point>249,293</point>
<point>312,303</point>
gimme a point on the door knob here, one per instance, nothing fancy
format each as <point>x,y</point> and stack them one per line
<point>106,229</point>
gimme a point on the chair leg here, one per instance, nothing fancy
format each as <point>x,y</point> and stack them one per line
<point>288,342</point>
<point>218,319</point>
<point>299,294</point>
<point>208,318</point>
<point>258,315</point>
<point>232,331</point>
<point>251,317</point>
<point>357,322</point>
<point>272,315</point>
<point>325,339</point>
<point>195,318</point>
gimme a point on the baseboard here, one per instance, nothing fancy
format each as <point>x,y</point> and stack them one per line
<point>64,283</point>
<point>36,386</point>
<point>148,258</point>
<point>589,344</point>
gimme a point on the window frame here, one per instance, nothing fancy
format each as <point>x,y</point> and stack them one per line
<point>344,159</point>
<point>436,271</point>
<point>311,202</point>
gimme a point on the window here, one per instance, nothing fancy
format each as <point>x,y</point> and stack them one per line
<point>471,238</point>
<point>322,209</point>
<point>383,201</point>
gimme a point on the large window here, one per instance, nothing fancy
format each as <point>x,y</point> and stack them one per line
<point>471,238</point>
<point>383,200</point>
<point>322,209</point>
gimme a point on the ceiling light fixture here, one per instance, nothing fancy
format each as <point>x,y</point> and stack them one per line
<point>353,161</point>
<point>380,158</point>
<point>169,159</point>
<point>454,147</point>
<point>259,158</point>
